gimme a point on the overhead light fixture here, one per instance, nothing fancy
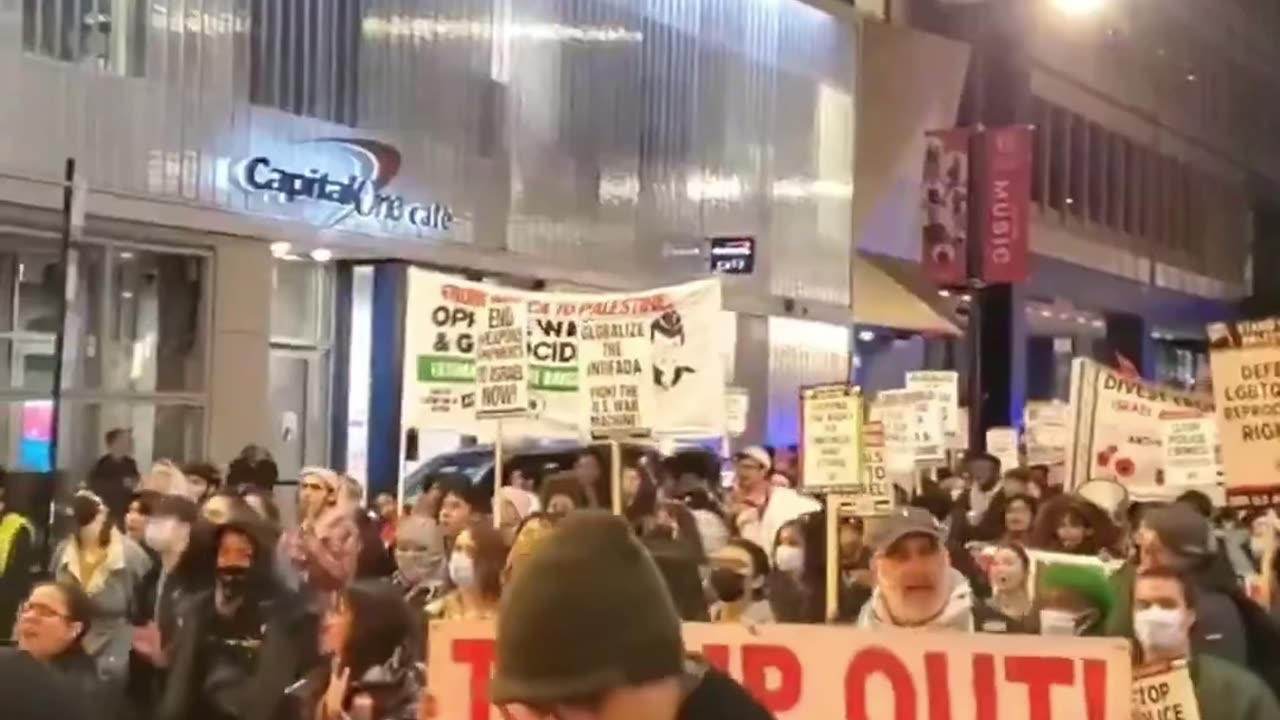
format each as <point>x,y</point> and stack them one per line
<point>1079,7</point>
<point>1099,323</point>
<point>1191,77</point>
<point>126,255</point>
<point>1082,319</point>
<point>281,248</point>
<point>944,293</point>
<point>1045,313</point>
<point>965,298</point>
<point>321,255</point>
<point>866,335</point>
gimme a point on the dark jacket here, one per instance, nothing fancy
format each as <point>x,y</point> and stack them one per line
<point>1220,628</point>
<point>280,644</point>
<point>34,691</point>
<point>394,686</point>
<point>1227,692</point>
<point>81,673</point>
<point>715,696</point>
<point>287,652</point>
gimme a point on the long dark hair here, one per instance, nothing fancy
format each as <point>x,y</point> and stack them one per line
<point>380,623</point>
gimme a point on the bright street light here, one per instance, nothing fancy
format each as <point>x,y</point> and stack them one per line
<point>1079,7</point>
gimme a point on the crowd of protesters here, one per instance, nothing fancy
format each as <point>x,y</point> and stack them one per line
<point>182,596</point>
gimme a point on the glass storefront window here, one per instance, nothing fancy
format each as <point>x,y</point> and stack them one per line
<point>152,322</point>
<point>173,431</point>
<point>299,299</point>
<point>134,355</point>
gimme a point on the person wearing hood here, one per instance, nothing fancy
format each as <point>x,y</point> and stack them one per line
<point>1164,613</point>
<point>610,648</point>
<point>1178,538</point>
<point>242,643</point>
<point>916,587</point>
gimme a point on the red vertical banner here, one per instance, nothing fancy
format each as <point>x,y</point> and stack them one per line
<point>944,215</point>
<point>1004,204</point>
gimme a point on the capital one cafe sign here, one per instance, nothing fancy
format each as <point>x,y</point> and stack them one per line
<point>336,180</point>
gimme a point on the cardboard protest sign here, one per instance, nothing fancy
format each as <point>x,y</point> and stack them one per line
<point>1245,357</point>
<point>616,383</point>
<point>945,386</point>
<point>1002,442</point>
<point>1189,442</point>
<point>800,672</point>
<point>1116,427</point>
<point>1046,430</point>
<point>879,496</point>
<point>685,368</point>
<point>913,426</point>
<point>501,364</point>
<point>1164,692</point>
<point>830,433</point>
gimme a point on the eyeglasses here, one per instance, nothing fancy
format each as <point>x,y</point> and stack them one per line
<point>43,612</point>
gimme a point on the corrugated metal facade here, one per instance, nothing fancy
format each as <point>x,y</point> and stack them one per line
<point>598,133</point>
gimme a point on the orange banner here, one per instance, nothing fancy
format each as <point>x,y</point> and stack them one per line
<point>814,671</point>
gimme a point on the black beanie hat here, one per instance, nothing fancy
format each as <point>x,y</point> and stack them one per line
<point>587,613</point>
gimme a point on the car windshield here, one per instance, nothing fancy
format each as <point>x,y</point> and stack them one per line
<point>469,464</point>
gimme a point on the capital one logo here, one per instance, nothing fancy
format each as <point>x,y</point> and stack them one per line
<point>352,180</point>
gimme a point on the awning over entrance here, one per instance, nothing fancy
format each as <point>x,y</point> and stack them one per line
<point>889,292</point>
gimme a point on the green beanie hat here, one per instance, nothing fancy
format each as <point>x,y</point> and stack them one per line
<point>1089,582</point>
<point>587,613</point>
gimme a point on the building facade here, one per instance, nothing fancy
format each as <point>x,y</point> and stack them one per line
<point>244,160</point>
<point>1152,153</point>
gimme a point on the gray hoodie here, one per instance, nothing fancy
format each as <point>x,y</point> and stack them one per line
<point>957,614</point>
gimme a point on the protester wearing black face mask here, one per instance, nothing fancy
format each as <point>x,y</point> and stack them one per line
<point>737,584</point>
<point>242,643</point>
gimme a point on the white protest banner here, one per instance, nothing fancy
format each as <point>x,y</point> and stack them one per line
<point>1002,442</point>
<point>1165,692</point>
<point>945,386</point>
<point>501,363</point>
<point>1046,430</point>
<point>1190,447</point>
<point>830,432</point>
<point>683,324</point>
<point>1116,425</point>
<point>1245,357</point>
<point>913,423</point>
<point>614,376</point>
<point>801,672</point>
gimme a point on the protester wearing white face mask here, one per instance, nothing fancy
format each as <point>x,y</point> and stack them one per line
<point>1163,615</point>
<point>475,574</point>
<point>1073,600</point>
